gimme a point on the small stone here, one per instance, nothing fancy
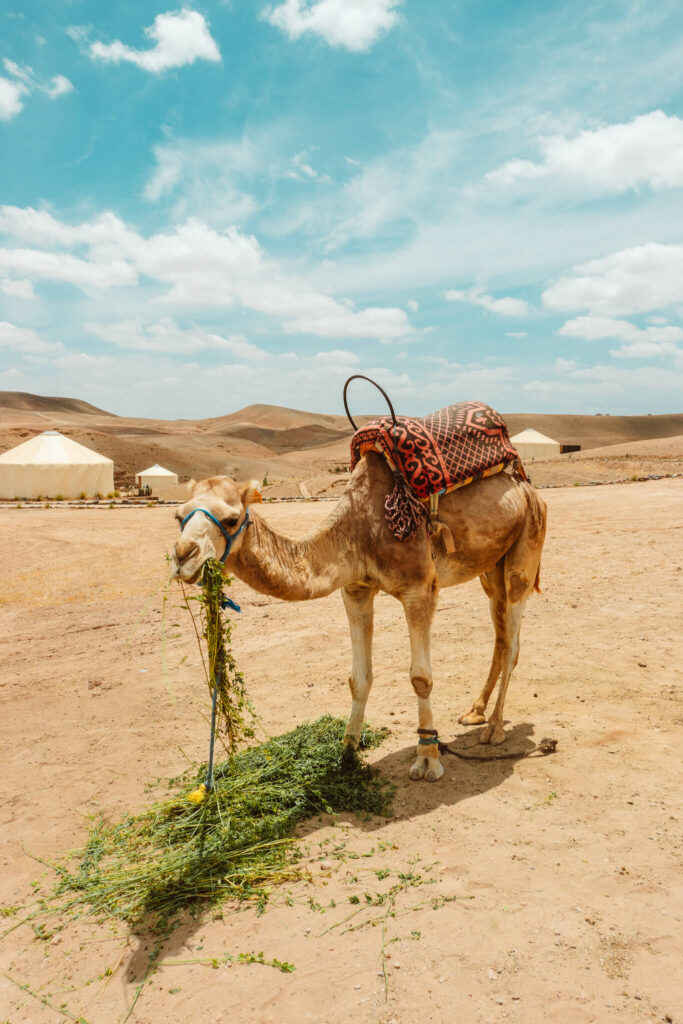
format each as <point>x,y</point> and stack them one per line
<point>325,865</point>
<point>356,987</point>
<point>491,974</point>
<point>441,980</point>
<point>499,1001</point>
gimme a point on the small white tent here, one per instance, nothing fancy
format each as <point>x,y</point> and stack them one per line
<point>50,464</point>
<point>160,481</point>
<point>532,445</point>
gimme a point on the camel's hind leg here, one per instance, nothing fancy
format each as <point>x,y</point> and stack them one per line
<point>493,583</point>
<point>508,587</point>
<point>359,602</point>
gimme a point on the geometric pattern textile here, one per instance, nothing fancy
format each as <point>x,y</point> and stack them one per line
<point>440,452</point>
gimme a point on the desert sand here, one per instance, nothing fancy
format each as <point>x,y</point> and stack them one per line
<point>566,869</point>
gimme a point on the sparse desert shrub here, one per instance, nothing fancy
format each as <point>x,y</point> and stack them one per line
<point>112,494</point>
<point>99,496</point>
<point>265,481</point>
<point>59,497</point>
<point>82,496</point>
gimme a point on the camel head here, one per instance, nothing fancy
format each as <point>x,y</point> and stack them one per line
<point>213,522</point>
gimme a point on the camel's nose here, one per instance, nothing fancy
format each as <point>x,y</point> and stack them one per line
<point>185,549</point>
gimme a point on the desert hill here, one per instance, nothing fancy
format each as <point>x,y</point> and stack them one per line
<point>296,451</point>
<point>22,401</point>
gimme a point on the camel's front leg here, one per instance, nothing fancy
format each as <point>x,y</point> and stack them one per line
<point>358,602</point>
<point>419,606</point>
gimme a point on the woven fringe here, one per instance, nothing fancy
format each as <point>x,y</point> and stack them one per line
<point>404,512</point>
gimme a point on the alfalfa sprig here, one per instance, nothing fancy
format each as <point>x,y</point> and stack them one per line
<point>235,716</point>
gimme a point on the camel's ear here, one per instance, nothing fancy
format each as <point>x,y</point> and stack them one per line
<point>250,494</point>
<point>191,484</point>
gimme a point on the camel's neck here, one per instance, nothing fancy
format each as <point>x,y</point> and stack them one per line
<point>294,570</point>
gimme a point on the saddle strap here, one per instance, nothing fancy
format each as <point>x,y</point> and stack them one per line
<point>437,528</point>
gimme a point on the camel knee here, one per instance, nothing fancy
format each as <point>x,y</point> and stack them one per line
<point>517,586</point>
<point>422,686</point>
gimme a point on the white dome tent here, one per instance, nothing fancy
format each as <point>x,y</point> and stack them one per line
<point>51,464</point>
<point>533,445</point>
<point>161,482</point>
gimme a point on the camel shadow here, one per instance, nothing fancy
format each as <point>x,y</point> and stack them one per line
<point>462,780</point>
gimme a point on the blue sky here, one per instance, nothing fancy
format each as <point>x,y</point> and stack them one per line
<point>224,203</point>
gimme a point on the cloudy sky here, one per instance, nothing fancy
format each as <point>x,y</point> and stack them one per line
<point>247,201</point>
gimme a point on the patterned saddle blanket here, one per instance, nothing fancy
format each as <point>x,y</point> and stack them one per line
<point>434,455</point>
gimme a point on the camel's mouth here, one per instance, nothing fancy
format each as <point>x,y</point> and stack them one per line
<point>185,575</point>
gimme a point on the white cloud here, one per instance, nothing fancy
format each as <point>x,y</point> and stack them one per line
<point>22,83</point>
<point>301,169</point>
<point>645,151</point>
<point>564,365</point>
<point>180,37</point>
<point>634,280</point>
<point>354,24</point>
<point>515,334</point>
<point>60,87</point>
<point>507,306</point>
<point>26,340</point>
<point>64,267</point>
<point>640,343</point>
<point>11,98</point>
<point>412,305</point>
<point>11,374</point>
<point>593,328</point>
<point>165,336</point>
<point>337,357</point>
<point>17,289</point>
<point>200,266</point>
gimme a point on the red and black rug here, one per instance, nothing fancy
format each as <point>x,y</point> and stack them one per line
<point>447,449</point>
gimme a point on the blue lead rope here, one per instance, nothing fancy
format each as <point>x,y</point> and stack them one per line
<point>229,537</point>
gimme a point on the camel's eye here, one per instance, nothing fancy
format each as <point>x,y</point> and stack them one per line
<point>229,522</point>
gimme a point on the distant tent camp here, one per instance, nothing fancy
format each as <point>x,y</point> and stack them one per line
<point>160,481</point>
<point>50,464</point>
<point>532,445</point>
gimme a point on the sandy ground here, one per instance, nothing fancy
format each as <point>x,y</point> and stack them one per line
<point>566,869</point>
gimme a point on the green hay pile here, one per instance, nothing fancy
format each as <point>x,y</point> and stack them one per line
<point>236,843</point>
<point>232,706</point>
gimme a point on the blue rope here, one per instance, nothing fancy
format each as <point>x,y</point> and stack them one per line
<point>214,700</point>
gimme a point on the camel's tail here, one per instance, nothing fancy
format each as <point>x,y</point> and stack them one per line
<point>537,582</point>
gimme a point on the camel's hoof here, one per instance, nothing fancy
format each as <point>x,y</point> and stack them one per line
<point>493,735</point>
<point>426,768</point>
<point>349,758</point>
<point>472,718</point>
<point>434,772</point>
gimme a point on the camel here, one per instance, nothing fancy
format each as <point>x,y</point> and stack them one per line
<point>498,529</point>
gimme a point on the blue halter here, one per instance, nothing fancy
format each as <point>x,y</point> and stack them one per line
<point>229,537</point>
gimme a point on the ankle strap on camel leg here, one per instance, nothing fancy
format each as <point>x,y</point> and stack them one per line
<point>427,737</point>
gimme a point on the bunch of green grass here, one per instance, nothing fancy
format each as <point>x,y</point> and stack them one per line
<point>237,843</point>
<point>234,713</point>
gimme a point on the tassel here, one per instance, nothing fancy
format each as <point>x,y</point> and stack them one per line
<point>404,512</point>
